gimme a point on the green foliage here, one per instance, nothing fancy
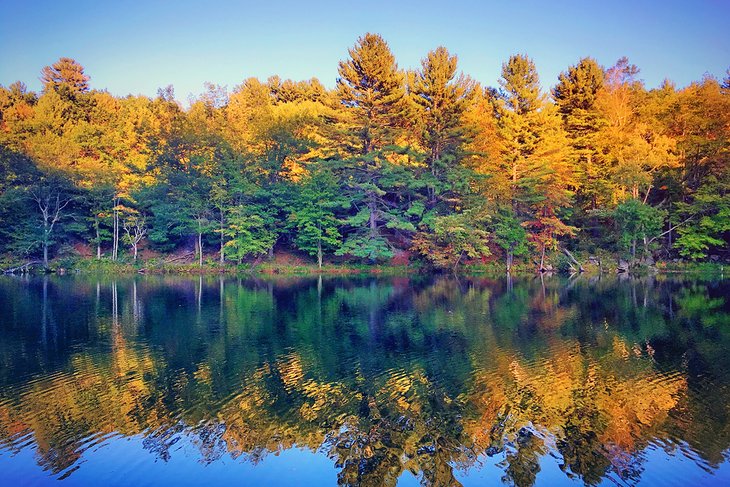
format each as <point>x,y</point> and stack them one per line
<point>709,215</point>
<point>247,234</point>
<point>576,96</point>
<point>509,234</point>
<point>365,245</point>
<point>312,214</point>
<point>521,85</point>
<point>386,161</point>
<point>637,221</point>
<point>453,238</point>
<point>371,87</point>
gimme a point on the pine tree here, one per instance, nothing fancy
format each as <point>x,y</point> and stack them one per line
<point>371,87</point>
<point>442,97</point>
<point>371,90</point>
<point>65,72</point>
<point>535,153</point>
<point>521,85</point>
<point>575,95</point>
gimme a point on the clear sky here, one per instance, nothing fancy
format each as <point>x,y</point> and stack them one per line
<point>137,47</point>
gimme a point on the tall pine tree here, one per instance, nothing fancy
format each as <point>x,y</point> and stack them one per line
<point>371,90</point>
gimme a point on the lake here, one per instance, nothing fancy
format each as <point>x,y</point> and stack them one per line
<point>364,381</point>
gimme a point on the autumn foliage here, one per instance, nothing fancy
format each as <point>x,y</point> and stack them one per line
<point>390,160</point>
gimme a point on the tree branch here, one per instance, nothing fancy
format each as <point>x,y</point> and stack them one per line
<point>671,229</point>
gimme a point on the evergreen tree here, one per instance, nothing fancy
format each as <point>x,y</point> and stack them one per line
<point>535,153</point>
<point>442,97</point>
<point>371,87</point>
<point>65,72</point>
<point>575,95</point>
<point>371,90</point>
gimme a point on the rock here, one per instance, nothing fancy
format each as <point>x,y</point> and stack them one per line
<point>714,258</point>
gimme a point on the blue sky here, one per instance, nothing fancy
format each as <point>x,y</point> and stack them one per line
<point>137,47</point>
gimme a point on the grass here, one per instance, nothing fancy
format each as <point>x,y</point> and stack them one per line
<point>293,267</point>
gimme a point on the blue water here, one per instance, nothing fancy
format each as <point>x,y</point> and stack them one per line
<point>364,381</point>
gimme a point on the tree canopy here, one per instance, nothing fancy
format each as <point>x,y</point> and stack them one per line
<point>389,163</point>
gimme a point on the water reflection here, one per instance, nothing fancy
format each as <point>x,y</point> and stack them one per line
<point>382,376</point>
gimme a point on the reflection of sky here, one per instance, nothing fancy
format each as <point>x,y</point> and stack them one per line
<point>123,461</point>
<point>171,340</point>
<point>659,468</point>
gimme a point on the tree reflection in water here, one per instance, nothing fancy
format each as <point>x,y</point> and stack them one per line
<point>431,376</point>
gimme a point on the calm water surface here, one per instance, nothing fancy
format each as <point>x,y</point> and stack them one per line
<point>438,381</point>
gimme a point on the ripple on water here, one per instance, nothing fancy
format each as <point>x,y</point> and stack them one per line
<point>423,377</point>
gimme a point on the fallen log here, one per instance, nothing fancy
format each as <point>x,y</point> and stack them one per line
<point>24,268</point>
<point>573,260</point>
<point>167,261</point>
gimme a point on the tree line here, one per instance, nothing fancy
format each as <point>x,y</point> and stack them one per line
<point>423,163</point>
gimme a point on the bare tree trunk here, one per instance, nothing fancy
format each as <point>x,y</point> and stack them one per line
<point>542,259</point>
<point>115,236</point>
<point>222,254</point>
<point>510,257</point>
<point>98,239</point>
<point>646,196</point>
<point>45,253</point>
<point>574,260</point>
<point>50,214</point>
<point>200,249</point>
<point>136,231</point>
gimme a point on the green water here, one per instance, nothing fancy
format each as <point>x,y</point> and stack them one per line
<point>442,381</point>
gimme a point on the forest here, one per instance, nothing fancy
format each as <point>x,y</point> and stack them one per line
<point>425,167</point>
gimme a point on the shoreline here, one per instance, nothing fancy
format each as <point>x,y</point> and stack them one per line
<point>107,267</point>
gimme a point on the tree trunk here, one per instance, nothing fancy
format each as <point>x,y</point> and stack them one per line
<point>319,253</point>
<point>98,239</point>
<point>669,234</point>
<point>542,259</point>
<point>200,249</point>
<point>633,250</point>
<point>115,236</point>
<point>574,260</point>
<point>45,242</point>
<point>222,256</point>
<point>373,217</point>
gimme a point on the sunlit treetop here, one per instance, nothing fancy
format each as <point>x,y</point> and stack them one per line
<point>577,87</point>
<point>65,72</point>
<point>522,84</point>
